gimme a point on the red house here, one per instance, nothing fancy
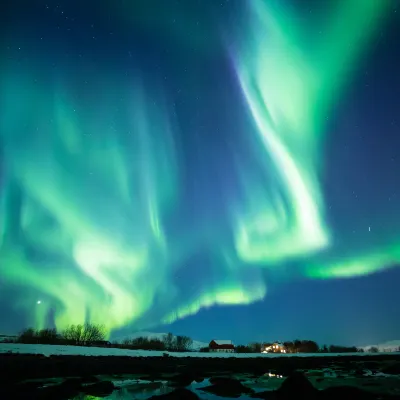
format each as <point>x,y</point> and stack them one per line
<point>222,346</point>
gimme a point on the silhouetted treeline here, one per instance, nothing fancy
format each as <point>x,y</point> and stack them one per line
<point>94,335</point>
<point>339,349</point>
<point>77,335</point>
<point>168,342</point>
<point>296,346</point>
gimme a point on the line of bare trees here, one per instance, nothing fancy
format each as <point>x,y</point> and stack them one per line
<point>95,335</point>
<point>168,342</point>
<point>78,335</point>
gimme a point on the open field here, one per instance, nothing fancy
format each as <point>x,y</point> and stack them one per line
<point>24,361</point>
<point>49,369</point>
<point>48,350</point>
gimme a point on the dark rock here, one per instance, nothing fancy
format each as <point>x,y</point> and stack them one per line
<point>297,386</point>
<point>392,369</point>
<point>371,383</point>
<point>185,379</point>
<point>99,389</point>
<point>68,389</point>
<point>72,383</point>
<point>198,374</point>
<point>152,377</point>
<point>266,395</point>
<point>177,394</point>
<point>363,373</point>
<point>226,387</point>
<point>346,392</point>
<point>89,379</point>
<point>23,390</point>
<point>223,380</point>
<point>28,386</point>
<point>371,365</point>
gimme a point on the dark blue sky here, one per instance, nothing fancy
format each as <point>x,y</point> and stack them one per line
<point>359,310</point>
<point>93,58</point>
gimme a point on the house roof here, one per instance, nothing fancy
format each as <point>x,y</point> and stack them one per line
<point>223,342</point>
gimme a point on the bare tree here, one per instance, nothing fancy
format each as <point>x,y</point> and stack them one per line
<point>47,336</point>
<point>73,334</point>
<point>255,347</point>
<point>84,334</point>
<point>94,333</point>
<point>183,343</point>
<point>126,342</point>
<point>27,336</point>
<point>169,341</point>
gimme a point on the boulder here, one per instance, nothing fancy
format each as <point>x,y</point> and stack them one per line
<point>177,394</point>
<point>98,389</point>
<point>393,369</point>
<point>297,386</point>
<point>226,387</point>
<point>185,379</point>
<point>346,392</point>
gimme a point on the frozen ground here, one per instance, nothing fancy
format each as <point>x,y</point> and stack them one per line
<point>48,350</point>
<point>207,376</point>
<point>371,385</point>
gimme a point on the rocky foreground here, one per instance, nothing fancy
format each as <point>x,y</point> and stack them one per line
<point>34,376</point>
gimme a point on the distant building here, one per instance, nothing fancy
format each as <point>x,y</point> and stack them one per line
<point>221,346</point>
<point>8,338</point>
<point>276,347</point>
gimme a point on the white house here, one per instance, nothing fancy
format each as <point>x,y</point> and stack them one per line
<point>276,347</point>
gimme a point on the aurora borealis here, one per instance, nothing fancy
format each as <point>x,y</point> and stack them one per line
<point>154,165</point>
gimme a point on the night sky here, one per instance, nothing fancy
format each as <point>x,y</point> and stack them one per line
<point>219,169</point>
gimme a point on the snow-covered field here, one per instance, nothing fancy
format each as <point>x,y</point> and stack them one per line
<point>48,350</point>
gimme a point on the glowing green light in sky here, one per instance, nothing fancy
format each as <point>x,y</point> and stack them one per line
<point>223,296</point>
<point>87,190</point>
<point>290,82</point>
<point>90,183</point>
<point>348,267</point>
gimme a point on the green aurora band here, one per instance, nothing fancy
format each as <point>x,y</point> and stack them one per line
<point>76,196</point>
<point>91,187</point>
<point>291,75</point>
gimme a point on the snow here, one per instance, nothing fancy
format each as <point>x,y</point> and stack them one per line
<point>48,350</point>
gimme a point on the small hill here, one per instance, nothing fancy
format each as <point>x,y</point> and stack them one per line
<point>387,347</point>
